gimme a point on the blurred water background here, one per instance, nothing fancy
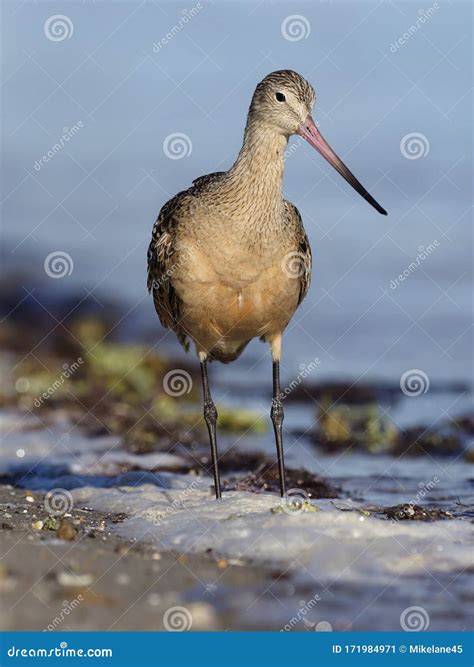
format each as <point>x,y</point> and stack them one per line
<point>127,87</point>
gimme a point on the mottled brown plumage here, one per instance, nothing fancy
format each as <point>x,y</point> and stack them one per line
<point>229,259</point>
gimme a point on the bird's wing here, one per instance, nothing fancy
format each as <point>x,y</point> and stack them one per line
<point>303,248</point>
<point>160,268</point>
<point>162,255</point>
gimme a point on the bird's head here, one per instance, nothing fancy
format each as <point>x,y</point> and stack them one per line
<point>283,102</point>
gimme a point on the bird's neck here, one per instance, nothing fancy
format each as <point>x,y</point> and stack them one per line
<point>258,170</point>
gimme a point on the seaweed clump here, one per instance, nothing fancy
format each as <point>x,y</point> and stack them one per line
<point>368,428</point>
<point>412,512</point>
<point>360,426</point>
<point>266,479</point>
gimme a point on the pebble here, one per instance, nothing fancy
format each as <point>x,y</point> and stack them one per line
<point>123,578</point>
<point>66,531</point>
<point>121,549</point>
<point>37,525</point>
<point>323,626</point>
<point>7,582</point>
<point>203,615</point>
<point>71,580</point>
<point>51,523</point>
<point>154,599</point>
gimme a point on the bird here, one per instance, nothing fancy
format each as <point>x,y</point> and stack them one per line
<point>229,259</point>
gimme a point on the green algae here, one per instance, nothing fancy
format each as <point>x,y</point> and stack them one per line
<point>363,426</point>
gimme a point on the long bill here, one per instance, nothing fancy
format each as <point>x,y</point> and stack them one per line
<point>313,136</point>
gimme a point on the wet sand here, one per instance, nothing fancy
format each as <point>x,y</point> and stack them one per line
<point>100,582</point>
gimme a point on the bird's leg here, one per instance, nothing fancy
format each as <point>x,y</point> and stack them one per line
<point>210,416</point>
<point>277,419</point>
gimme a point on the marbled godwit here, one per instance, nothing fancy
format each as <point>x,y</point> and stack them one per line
<point>229,259</point>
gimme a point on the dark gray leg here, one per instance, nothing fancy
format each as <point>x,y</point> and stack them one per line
<point>210,415</point>
<point>277,419</point>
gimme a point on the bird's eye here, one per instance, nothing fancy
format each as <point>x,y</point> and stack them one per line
<point>280,97</point>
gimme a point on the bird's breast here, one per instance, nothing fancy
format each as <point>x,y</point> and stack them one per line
<point>233,299</point>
